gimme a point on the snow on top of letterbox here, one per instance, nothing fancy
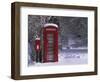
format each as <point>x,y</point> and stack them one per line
<point>37,38</point>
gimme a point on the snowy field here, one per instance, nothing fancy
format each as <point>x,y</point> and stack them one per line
<point>68,57</point>
<point>73,56</point>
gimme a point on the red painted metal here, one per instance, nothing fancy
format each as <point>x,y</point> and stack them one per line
<point>50,30</point>
<point>37,44</point>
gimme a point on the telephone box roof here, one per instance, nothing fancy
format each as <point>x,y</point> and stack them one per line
<point>51,24</point>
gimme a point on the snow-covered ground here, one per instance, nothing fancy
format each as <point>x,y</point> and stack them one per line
<point>68,57</point>
<point>73,56</point>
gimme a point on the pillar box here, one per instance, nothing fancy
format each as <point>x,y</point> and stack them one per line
<point>37,49</point>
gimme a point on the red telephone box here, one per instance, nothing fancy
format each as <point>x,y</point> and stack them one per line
<point>50,43</point>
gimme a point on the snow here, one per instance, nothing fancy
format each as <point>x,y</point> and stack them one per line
<point>68,57</point>
<point>37,38</point>
<point>51,24</point>
<point>73,57</point>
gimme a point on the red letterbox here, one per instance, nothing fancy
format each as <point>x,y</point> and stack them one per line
<point>37,44</point>
<point>50,43</point>
<point>37,48</point>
